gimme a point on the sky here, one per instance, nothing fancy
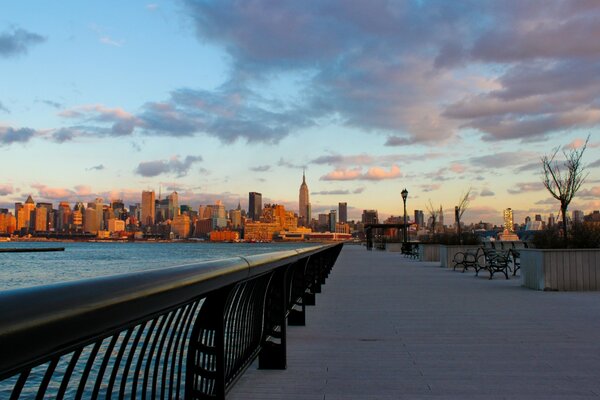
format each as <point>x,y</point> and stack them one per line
<point>215,99</point>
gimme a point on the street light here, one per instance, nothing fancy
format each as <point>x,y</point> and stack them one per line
<point>404,194</point>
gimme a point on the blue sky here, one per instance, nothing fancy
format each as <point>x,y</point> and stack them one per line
<point>215,99</point>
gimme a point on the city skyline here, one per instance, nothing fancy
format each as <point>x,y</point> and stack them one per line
<point>216,100</point>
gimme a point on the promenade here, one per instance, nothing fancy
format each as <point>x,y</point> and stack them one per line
<point>386,327</point>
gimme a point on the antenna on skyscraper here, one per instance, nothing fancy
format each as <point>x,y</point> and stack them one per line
<point>159,191</point>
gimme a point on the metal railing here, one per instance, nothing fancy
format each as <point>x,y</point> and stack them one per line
<point>181,332</point>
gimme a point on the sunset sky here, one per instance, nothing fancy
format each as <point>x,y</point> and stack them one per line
<point>215,99</point>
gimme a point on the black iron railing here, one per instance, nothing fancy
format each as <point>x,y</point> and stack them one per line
<point>181,332</point>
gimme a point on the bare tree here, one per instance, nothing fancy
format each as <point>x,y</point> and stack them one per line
<point>564,178</point>
<point>459,210</point>
<point>433,215</point>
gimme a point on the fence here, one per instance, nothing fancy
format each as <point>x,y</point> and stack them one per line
<point>181,332</point>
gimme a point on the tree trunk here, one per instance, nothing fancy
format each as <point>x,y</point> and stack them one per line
<point>563,210</point>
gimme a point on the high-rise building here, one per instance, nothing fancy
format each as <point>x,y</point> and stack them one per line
<point>332,220</point>
<point>235,216</point>
<point>41,219</point>
<point>370,217</point>
<point>254,205</point>
<point>420,218</point>
<point>343,212</point>
<point>90,223</point>
<point>148,208</point>
<point>304,203</point>
<point>24,219</point>
<point>551,220</point>
<point>99,205</point>
<point>508,220</point>
<point>173,200</point>
<point>441,217</point>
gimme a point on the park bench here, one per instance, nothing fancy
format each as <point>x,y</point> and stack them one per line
<point>515,256</point>
<point>496,261</point>
<point>410,250</point>
<point>469,259</point>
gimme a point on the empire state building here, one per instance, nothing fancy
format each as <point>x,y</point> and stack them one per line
<point>304,211</point>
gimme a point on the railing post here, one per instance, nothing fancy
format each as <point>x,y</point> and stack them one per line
<point>205,370</point>
<point>273,353</point>
<point>297,308</point>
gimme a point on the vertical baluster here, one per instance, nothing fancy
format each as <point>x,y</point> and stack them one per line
<point>87,369</point>
<point>67,377</point>
<point>16,392</point>
<point>141,356</point>
<point>107,355</point>
<point>132,351</point>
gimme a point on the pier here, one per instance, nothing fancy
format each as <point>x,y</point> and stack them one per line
<point>382,327</point>
<point>31,249</point>
<point>386,327</point>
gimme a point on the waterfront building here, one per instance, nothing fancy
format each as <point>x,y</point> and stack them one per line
<point>260,231</point>
<point>77,219</point>
<point>40,219</point>
<point>369,217</point>
<point>551,220</point>
<point>116,225</point>
<point>322,219</point>
<point>8,223</point>
<point>23,213</point>
<point>254,205</point>
<point>304,203</point>
<point>63,216</point>
<point>148,213</point>
<point>343,212</point>
<point>180,226</point>
<point>508,220</point>
<point>99,206</point>
<point>203,227</point>
<point>90,222</point>
<point>441,218</point>
<point>235,216</point>
<point>224,236</point>
<point>342,227</point>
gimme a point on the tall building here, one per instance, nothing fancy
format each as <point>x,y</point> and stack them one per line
<point>148,208</point>
<point>441,217</point>
<point>304,203</point>
<point>173,200</point>
<point>343,212</point>
<point>370,217</point>
<point>508,220</point>
<point>332,220</point>
<point>99,205</point>
<point>24,218</point>
<point>254,205</point>
<point>420,218</point>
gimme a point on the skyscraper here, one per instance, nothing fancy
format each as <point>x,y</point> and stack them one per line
<point>254,205</point>
<point>508,220</point>
<point>173,200</point>
<point>304,203</point>
<point>419,218</point>
<point>332,220</point>
<point>148,207</point>
<point>343,212</point>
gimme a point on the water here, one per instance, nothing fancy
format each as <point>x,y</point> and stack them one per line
<point>85,260</point>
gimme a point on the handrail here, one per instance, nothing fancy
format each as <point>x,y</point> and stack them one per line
<point>46,323</point>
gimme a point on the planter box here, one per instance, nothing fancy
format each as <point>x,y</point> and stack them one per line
<point>561,269</point>
<point>447,253</point>
<point>429,252</point>
<point>393,247</point>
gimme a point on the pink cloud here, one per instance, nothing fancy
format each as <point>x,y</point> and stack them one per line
<point>372,174</point>
<point>6,189</point>
<point>457,168</point>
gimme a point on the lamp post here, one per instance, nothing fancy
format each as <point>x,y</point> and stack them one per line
<point>404,194</point>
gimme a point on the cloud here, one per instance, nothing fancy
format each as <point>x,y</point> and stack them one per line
<point>457,168</point>
<point>4,109</point>
<point>98,167</point>
<point>502,159</point>
<point>589,194</point>
<point>288,164</point>
<point>526,187</point>
<point>103,120</point>
<point>372,174</point>
<point>174,165</point>
<point>594,164</point>
<point>430,187</point>
<point>51,103</point>
<point>18,41</point>
<point>10,135</point>
<point>338,192</point>
<point>6,189</point>
<point>152,6</point>
<point>261,168</point>
<point>487,193</point>
<point>338,159</point>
